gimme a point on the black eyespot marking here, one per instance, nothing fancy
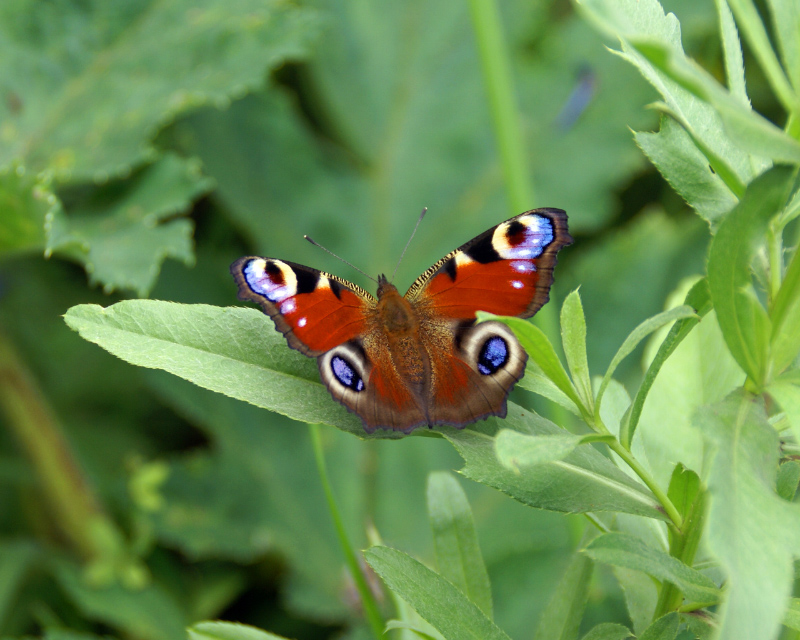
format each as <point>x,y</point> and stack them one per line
<point>336,288</point>
<point>346,374</point>
<point>493,356</point>
<point>274,272</point>
<point>515,229</point>
<point>483,251</point>
<point>306,280</point>
<point>449,268</point>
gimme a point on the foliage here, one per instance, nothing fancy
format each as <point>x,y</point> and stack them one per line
<point>140,503</point>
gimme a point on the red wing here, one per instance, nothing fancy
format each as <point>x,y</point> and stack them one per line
<point>507,270</point>
<point>314,310</point>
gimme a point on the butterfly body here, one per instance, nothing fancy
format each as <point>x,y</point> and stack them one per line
<point>420,359</point>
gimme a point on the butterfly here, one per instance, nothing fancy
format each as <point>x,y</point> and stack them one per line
<point>400,362</point>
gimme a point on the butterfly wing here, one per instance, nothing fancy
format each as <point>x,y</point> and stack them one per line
<point>508,270</point>
<point>332,320</point>
<point>314,310</point>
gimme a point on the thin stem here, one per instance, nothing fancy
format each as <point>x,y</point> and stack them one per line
<point>367,599</point>
<point>640,471</point>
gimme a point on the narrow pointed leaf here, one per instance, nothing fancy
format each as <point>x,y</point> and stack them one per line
<point>561,619</point>
<point>625,550</point>
<point>434,598</point>
<point>458,554</point>
<point>228,631</point>
<point>573,337</point>
<point>741,317</point>
<point>785,316</point>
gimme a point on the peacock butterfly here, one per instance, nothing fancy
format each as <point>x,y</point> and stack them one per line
<point>400,362</point>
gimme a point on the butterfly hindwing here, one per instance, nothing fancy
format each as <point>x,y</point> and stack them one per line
<point>314,310</point>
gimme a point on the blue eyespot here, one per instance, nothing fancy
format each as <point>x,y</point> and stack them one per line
<point>493,356</point>
<point>346,373</point>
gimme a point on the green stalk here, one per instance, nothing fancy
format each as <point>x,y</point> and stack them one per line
<point>70,499</point>
<point>508,133</point>
<point>367,599</point>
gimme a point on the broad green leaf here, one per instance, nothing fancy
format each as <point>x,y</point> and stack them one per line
<point>93,94</point>
<point>537,382</point>
<point>744,507</point>
<point>697,298</point>
<point>785,22</point>
<point>743,320</point>
<point>516,450</point>
<point>227,631</point>
<point>732,48</point>
<point>788,479</point>
<point>624,550</point>
<point>585,480</point>
<point>636,336</point>
<point>27,203</point>
<point>458,554</point>
<point>561,619</point>
<point>573,337</point>
<point>665,628</point>
<point>541,351</point>
<point>608,631</point>
<point>433,597</point>
<point>149,613</point>
<point>122,235</point>
<point>234,351</point>
<point>688,170</point>
<point>785,317</point>
<point>787,395</point>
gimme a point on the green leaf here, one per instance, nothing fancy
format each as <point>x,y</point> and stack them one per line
<point>744,507</point>
<point>109,79</point>
<point>234,351</point>
<point>418,630</point>
<point>122,236</point>
<point>785,317</point>
<point>516,450</point>
<point>792,616</point>
<point>541,351</point>
<point>688,170</point>
<point>27,203</point>
<point>149,613</point>
<point>583,481</point>
<point>665,628</point>
<point>573,337</point>
<point>227,631</point>
<point>635,337</point>
<point>537,382</point>
<point>787,394</point>
<point>788,479</point>
<point>698,298</point>
<point>732,48</point>
<point>608,631</point>
<point>743,320</point>
<point>433,597</point>
<point>785,18</point>
<point>458,555</point>
<point>625,550</point>
<point>645,22</point>
<point>561,619</point>
<point>641,596</point>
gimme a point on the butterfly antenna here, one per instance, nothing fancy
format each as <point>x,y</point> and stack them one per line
<point>317,244</point>
<point>416,226</point>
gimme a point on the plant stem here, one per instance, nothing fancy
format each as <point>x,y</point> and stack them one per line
<point>71,499</point>
<point>367,599</point>
<point>640,471</point>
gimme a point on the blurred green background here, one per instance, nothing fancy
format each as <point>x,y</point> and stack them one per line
<point>145,146</point>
